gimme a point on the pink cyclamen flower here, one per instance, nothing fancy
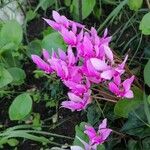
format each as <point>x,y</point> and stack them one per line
<point>76,102</point>
<point>88,60</point>
<point>100,136</point>
<point>121,89</point>
<point>114,71</point>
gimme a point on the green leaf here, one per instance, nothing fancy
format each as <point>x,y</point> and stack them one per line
<point>53,41</point>
<point>87,8</point>
<point>147,73</point>
<point>26,135</point>
<point>34,47</point>
<point>10,59</point>
<point>146,143</point>
<point>30,15</point>
<point>46,3</point>
<point>101,147</point>
<point>137,123</point>
<point>47,31</point>
<point>5,77</point>
<point>93,114</point>
<point>145,24</point>
<point>148,99</point>
<point>135,4</point>
<point>80,134</point>
<point>133,145</point>
<point>12,142</point>
<point>67,2</point>
<point>109,2</point>
<point>20,107</point>
<point>18,75</point>
<point>11,32</point>
<point>123,107</point>
<point>8,47</point>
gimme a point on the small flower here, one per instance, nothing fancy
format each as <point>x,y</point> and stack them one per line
<point>100,136</point>
<point>77,103</point>
<point>108,74</point>
<point>121,89</point>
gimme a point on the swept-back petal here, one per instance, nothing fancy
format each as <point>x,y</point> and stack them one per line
<point>72,105</point>
<point>105,133</point>
<point>127,83</point>
<point>113,88</point>
<point>46,54</point>
<point>103,125</point>
<point>90,131</point>
<point>41,64</point>
<point>98,64</point>
<point>53,24</point>
<point>129,94</point>
<point>74,97</point>
<point>62,54</point>
<point>108,74</point>
<point>56,16</point>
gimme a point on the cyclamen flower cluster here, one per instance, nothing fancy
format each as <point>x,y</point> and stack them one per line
<point>88,60</point>
<point>95,138</point>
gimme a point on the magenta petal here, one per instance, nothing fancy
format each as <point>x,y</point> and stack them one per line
<point>41,64</point>
<point>90,131</point>
<point>77,24</point>
<point>117,80</point>
<point>74,97</point>
<point>46,54</point>
<point>93,32</point>
<point>56,16</point>
<point>62,54</point>
<point>108,74</point>
<point>96,48</point>
<point>124,62</point>
<point>98,64</point>
<point>103,125</point>
<point>88,47</point>
<point>80,36</point>
<point>53,24</point>
<point>66,71</point>
<point>74,28</point>
<point>56,65</point>
<point>129,94</point>
<point>68,36</point>
<point>65,21</point>
<point>97,140</point>
<point>72,105</point>
<point>113,88</point>
<point>71,57</point>
<point>105,33</point>
<point>75,87</point>
<point>72,37</point>
<point>105,133</point>
<point>127,83</point>
<point>108,52</point>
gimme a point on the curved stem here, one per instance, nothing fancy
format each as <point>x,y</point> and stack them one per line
<point>106,99</point>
